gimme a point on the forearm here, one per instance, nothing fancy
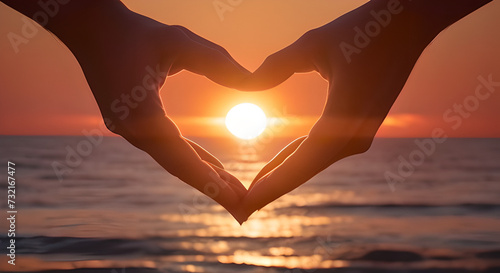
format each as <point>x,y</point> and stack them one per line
<point>50,14</point>
<point>444,11</point>
<point>70,20</point>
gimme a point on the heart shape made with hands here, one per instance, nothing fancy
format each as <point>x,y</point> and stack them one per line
<point>367,55</point>
<point>340,50</point>
<point>369,43</point>
<point>285,172</point>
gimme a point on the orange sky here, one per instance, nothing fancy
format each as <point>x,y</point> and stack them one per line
<point>43,90</point>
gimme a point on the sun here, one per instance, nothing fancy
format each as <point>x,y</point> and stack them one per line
<point>246,121</point>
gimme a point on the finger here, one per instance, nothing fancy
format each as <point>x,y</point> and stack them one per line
<point>207,61</point>
<point>237,187</point>
<point>203,41</point>
<point>278,159</point>
<point>210,44</point>
<point>296,58</point>
<point>231,180</point>
<point>204,154</point>
<point>241,192</point>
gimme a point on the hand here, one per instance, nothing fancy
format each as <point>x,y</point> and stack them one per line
<point>163,50</point>
<point>366,73</point>
<point>126,58</point>
<point>354,110</point>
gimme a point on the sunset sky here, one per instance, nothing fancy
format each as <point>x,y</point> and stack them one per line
<point>43,91</point>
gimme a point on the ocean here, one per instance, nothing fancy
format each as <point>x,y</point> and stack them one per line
<point>407,205</point>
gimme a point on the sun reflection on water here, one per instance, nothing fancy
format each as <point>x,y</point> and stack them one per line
<point>287,218</point>
<point>303,262</point>
<point>266,224</point>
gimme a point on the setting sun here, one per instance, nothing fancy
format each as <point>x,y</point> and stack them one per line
<point>246,121</point>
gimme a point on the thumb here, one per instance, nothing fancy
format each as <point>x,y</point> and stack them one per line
<point>278,67</point>
<point>202,57</point>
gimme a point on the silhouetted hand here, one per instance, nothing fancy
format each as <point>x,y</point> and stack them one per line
<point>366,56</point>
<point>126,58</point>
